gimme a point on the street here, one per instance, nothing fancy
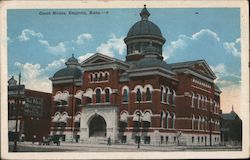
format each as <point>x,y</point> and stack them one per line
<point>76,147</point>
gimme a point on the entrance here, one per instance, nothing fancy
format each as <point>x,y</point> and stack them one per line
<point>97,127</point>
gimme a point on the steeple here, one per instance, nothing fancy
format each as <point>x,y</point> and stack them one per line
<point>144,13</point>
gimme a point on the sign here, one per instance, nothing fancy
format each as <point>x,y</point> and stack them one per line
<point>33,107</point>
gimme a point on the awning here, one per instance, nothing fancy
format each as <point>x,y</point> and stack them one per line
<point>79,95</point>
<point>88,93</point>
<point>57,98</point>
<point>56,118</point>
<point>63,118</point>
<point>124,117</point>
<point>136,117</point>
<point>65,96</point>
<point>146,117</point>
<point>77,118</point>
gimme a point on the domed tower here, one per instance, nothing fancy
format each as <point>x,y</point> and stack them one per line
<point>144,35</point>
<point>72,70</point>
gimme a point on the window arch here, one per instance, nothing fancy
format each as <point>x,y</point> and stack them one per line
<point>98,95</point>
<point>125,95</point>
<point>199,122</point>
<point>96,77</point>
<point>106,75</point>
<point>148,95</point>
<point>91,77</point>
<point>162,117</point>
<point>198,101</point>
<point>100,76</point>
<point>107,95</point>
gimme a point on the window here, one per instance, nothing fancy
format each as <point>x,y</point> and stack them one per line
<point>138,95</point>
<point>124,139</point>
<point>125,95</point>
<point>173,97</point>
<point>148,95</point>
<point>168,93</point>
<point>146,124</point>
<point>202,139</point>
<point>100,76</point>
<point>167,116</point>
<point>78,102</point>
<point>162,95</point>
<point>198,101</point>
<point>193,120</point>
<point>106,76</point>
<point>98,96</point>
<point>96,76</point>
<point>192,139</point>
<point>162,139</point>
<point>174,139</point>
<point>173,120</point>
<point>193,97</point>
<point>91,77</point>
<point>166,139</point>
<point>198,139</point>
<point>147,140</point>
<point>77,124</point>
<point>107,95</point>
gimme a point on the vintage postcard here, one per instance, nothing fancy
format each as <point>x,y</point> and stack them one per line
<point>124,79</point>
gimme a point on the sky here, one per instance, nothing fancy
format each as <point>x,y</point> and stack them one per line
<point>40,41</point>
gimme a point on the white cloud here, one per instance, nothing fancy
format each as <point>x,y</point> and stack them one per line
<point>183,41</point>
<point>231,48</point>
<point>112,46</point>
<point>28,33</point>
<point>60,48</point>
<point>35,77</point>
<point>220,68</point>
<point>207,32</point>
<point>83,37</point>
<point>84,57</point>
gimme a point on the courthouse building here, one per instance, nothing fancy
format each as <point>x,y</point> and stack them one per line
<point>142,98</point>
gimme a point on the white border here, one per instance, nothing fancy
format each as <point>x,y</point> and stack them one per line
<point>242,4</point>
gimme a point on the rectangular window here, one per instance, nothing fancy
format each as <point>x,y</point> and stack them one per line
<point>174,139</point>
<point>124,139</point>
<point>162,139</point>
<point>192,139</point>
<point>147,140</point>
<point>166,139</point>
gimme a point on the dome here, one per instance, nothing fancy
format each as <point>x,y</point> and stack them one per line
<point>72,61</point>
<point>144,27</point>
<point>149,62</point>
<point>68,72</point>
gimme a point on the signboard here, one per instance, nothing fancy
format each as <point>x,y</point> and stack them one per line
<point>33,107</point>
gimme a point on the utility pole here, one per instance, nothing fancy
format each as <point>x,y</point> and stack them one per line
<point>17,106</point>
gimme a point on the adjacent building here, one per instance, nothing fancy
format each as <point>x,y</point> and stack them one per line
<point>231,128</point>
<point>142,99</point>
<point>30,110</point>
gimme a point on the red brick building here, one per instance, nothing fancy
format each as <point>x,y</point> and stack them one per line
<point>31,108</point>
<point>142,98</point>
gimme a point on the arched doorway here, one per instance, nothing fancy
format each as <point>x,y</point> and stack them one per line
<point>97,127</point>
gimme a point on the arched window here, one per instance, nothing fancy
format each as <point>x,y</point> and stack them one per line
<point>106,76</point>
<point>167,117</point>
<point>201,103</point>
<point>125,95</point>
<point>138,95</point>
<point>107,95</point>
<point>100,76</point>
<point>198,101</point>
<point>173,97</point>
<point>168,93</point>
<point>199,122</point>
<point>96,77</point>
<point>162,95</point>
<point>193,120</point>
<point>162,117</point>
<point>173,120</point>
<point>193,97</point>
<point>98,96</point>
<point>91,77</point>
<point>148,95</point>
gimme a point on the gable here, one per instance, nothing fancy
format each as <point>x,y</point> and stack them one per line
<point>203,67</point>
<point>97,58</point>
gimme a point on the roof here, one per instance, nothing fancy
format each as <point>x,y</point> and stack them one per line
<point>149,62</point>
<point>230,116</point>
<point>69,71</point>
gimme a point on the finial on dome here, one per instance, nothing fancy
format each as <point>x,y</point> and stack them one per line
<point>72,55</point>
<point>144,13</point>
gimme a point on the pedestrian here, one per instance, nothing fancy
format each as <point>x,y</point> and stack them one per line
<point>109,141</point>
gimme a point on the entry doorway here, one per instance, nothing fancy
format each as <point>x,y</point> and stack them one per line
<point>97,127</point>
